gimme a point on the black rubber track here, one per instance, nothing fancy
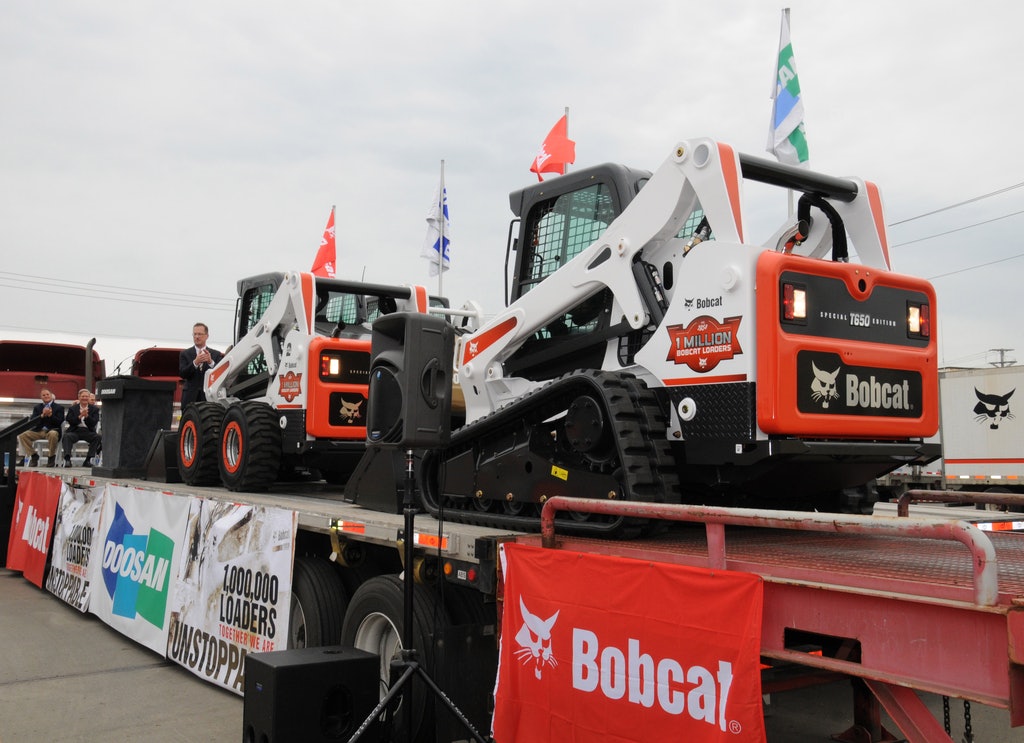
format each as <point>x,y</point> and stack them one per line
<point>642,463</point>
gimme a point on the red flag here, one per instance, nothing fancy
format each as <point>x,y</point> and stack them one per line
<point>556,151</point>
<point>326,256</point>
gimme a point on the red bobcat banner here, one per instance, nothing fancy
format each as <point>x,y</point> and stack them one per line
<point>32,528</point>
<point>608,649</point>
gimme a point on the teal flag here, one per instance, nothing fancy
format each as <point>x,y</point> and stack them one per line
<point>787,139</point>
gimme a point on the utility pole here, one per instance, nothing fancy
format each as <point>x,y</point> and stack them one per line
<point>1003,361</point>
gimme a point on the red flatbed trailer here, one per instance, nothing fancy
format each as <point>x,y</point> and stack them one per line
<point>903,604</point>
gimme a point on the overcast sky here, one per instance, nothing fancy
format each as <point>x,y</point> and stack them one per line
<point>151,154</point>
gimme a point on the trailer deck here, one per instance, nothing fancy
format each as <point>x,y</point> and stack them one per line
<point>321,508</point>
<point>903,604</point>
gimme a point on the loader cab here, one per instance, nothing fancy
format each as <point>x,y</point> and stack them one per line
<point>341,309</point>
<point>557,219</point>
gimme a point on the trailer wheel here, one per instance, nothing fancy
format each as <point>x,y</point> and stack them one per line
<point>198,440</point>
<point>374,623</point>
<point>250,446</point>
<point>318,604</point>
<point>468,606</point>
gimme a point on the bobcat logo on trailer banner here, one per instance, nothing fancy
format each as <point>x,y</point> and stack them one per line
<point>660,652</point>
<point>32,526</point>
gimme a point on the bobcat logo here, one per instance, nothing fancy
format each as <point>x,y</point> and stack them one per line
<point>993,408</point>
<point>534,639</point>
<point>688,303</point>
<point>350,410</point>
<point>823,387</point>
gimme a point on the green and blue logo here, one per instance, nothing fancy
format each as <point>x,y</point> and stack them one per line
<point>136,568</point>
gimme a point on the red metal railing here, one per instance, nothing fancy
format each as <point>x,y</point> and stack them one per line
<point>715,519</point>
<point>903,502</point>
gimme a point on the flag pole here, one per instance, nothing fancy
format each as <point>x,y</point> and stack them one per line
<point>565,166</point>
<point>440,244</point>
<point>789,191</point>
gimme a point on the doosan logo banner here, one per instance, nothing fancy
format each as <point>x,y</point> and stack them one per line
<point>136,570</point>
<point>660,652</point>
<point>137,565</point>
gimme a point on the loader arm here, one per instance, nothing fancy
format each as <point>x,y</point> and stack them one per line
<point>697,171</point>
<point>290,309</point>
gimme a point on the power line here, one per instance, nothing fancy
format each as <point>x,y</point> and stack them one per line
<point>972,268</point>
<point>98,334</point>
<point>957,229</point>
<point>961,203</point>
<point>129,290</point>
<point>134,300</point>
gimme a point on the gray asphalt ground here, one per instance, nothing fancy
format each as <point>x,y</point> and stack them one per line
<point>67,676</point>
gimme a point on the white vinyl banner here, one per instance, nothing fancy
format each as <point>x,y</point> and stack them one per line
<point>234,589</point>
<point>75,538</point>
<point>133,572</point>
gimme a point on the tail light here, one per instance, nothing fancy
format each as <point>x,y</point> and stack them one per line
<point>919,320</point>
<point>330,366</point>
<point>794,302</point>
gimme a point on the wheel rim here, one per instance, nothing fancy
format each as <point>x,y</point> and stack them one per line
<point>232,446</point>
<point>378,634</point>
<point>188,443</point>
<point>296,625</point>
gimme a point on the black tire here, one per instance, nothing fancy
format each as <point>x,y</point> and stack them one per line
<point>250,446</point>
<point>318,605</point>
<point>374,622</point>
<point>467,606</point>
<point>199,442</point>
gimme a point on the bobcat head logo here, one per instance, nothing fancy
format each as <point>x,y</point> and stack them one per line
<point>534,639</point>
<point>823,386</point>
<point>688,303</point>
<point>993,408</point>
<point>350,410</point>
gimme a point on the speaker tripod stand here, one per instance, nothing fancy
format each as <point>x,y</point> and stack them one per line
<point>407,663</point>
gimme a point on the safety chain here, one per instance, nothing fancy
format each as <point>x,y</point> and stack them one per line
<point>968,732</point>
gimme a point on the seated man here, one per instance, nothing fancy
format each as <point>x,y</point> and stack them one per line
<point>82,419</point>
<point>51,415</point>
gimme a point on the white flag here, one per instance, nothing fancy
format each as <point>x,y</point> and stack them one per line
<point>437,245</point>
<point>786,136</point>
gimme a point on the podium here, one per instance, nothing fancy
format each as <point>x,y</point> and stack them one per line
<point>134,410</point>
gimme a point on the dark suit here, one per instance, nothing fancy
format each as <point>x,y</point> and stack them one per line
<point>192,390</point>
<point>46,427</point>
<point>48,423</point>
<point>82,429</point>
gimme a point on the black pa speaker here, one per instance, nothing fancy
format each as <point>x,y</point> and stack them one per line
<point>162,459</point>
<point>309,695</point>
<point>410,396</point>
